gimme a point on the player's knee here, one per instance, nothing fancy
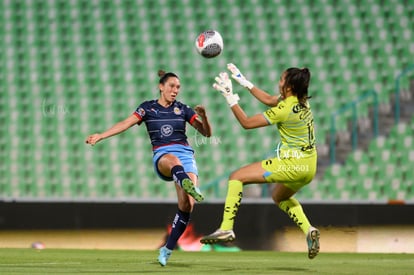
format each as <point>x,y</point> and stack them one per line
<point>236,176</point>
<point>168,161</point>
<point>173,160</point>
<point>277,197</point>
<point>276,200</point>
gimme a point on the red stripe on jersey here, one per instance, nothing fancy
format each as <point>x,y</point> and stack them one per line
<point>193,118</point>
<point>139,117</point>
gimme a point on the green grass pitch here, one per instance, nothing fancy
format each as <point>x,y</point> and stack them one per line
<point>71,261</point>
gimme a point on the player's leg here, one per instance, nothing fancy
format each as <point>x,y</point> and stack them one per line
<point>169,165</point>
<point>180,222</point>
<point>282,195</point>
<point>252,173</point>
<point>182,217</point>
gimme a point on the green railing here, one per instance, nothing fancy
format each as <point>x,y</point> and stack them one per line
<point>353,107</point>
<point>397,91</point>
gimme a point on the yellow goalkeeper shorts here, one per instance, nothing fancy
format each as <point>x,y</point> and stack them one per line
<point>294,172</point>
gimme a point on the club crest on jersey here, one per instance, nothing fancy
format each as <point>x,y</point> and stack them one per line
<point>177,111</point>
<point>167,130</point>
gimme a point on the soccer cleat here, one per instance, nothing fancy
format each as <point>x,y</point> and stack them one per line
<point>192,190</point>
<point>313,242</point>
<point>219,236</point>
<point>165,254</point>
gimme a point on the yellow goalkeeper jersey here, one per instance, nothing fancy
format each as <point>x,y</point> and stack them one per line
<point>295,125</point>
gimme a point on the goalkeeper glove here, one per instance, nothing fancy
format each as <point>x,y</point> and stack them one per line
<point>224,86</point>
<point>238,76</point>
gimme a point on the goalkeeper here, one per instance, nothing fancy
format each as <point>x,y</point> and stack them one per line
<point>294,165</point>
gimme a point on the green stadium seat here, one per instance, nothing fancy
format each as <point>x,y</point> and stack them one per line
<point>97,57</point>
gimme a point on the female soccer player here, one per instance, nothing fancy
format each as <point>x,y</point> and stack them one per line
<point>295,163</point>
<point>165,119</point>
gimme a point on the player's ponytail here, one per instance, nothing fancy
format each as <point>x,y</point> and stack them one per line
<point>298,80</point>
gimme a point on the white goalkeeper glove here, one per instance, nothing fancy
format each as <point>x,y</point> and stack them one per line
<point>239,77</point>
<point>224,86</point>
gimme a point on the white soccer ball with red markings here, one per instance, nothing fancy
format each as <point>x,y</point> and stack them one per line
<point>209,43</point>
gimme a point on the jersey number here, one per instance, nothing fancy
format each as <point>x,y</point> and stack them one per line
<point>311,134</point>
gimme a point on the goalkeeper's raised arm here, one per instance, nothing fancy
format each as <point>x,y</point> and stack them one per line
<point>262,96</point>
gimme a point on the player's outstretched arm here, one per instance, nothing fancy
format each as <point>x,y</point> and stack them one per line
<point>262,96</point>
<point>224,86</point>
<point>114,130</point>
<point>246,122</point>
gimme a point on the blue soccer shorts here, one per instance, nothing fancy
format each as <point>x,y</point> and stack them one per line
<point>184,153</point>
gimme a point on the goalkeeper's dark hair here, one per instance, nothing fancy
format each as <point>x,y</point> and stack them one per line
<point>298,80</point>
<point>165,76</point>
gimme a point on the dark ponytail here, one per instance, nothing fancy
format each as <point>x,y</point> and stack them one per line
<point>298,80</point>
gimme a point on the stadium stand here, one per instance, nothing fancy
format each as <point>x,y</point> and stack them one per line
<point>383,172</point>
<point>70,68</point>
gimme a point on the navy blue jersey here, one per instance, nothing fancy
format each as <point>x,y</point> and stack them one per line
<point>165,125</point>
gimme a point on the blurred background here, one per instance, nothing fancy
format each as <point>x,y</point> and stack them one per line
<point>70,68</point>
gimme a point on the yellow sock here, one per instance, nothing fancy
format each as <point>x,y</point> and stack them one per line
<point>293,208</point>
<point>233,200</point>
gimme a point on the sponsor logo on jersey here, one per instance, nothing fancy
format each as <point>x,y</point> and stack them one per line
<point>297,108</point>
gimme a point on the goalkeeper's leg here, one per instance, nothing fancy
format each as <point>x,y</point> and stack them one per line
<point>248,174</point>
<point>233,199</point>
<point>282,196</point>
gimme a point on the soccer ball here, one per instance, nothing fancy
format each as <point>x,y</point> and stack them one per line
<point>209,43</point>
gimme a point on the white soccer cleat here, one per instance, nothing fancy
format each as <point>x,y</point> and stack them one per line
<point>219,236</point>
<point>313,242</point>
